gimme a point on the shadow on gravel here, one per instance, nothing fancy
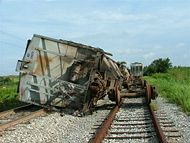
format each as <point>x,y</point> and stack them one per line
<point>132,105</point>
<point>9,104</point>
<point>75,112</point>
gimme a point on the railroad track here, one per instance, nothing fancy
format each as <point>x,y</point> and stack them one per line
<point>19,115</point>
<point>135,121</point>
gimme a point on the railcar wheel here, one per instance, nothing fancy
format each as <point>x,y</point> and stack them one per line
<point>88,103</point>
<point>148,93</point>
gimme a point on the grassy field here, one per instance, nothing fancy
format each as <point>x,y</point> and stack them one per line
<point>8,92</point>
<point>174,85</point>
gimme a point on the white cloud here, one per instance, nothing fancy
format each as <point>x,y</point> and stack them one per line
<point>158,47</point>
<point>118,16</point>
<point>186,56</point>
<point>180,45</point>
<point>149,55</point>
<point>130,30</point>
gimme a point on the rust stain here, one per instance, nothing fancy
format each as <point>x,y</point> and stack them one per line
<point>22,91</point>
<point>43,62</point>
<point>67,60</point>
<point>42,65</point>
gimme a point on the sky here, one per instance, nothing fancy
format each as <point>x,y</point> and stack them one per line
<point>132,30</point>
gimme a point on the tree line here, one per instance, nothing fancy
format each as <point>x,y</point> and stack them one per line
<point>158,66</point>
<point>4,80</point>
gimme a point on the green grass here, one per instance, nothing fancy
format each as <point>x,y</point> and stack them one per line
<point>8,93</point>
<point>174,85</point>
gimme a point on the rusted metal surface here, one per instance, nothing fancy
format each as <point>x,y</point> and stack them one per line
<point>146,91</point>
<point>131,137</point>
<point>60,73</point>
<point>159,131</point>
<point>22,119</point>
<point>137,86</point>
<point>102,132</point>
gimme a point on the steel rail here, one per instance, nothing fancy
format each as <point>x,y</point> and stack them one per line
<point>22,119</point>
<point>157,126</point>
<point>102,132</point>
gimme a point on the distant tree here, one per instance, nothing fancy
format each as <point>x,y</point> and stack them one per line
<point>4,80</point>
<point>158,66</point>
<point>148,70</point>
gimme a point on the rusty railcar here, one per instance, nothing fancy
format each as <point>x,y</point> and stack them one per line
<point>137,86</point>
<point>136,72</point>
<point>62,73</point>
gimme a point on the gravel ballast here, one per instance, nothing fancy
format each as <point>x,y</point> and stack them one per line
<point>57,129</point>
<point>180,119</point>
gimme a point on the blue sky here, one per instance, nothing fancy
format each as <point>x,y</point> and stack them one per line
<point>132,30</point>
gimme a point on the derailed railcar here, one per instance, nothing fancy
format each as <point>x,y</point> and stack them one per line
<point>60,73</point>
<point>137,86</point>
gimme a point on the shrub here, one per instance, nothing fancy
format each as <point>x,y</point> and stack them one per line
<point>158,66</point>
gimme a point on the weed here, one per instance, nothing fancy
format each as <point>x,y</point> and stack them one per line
<point>174,85</point>
<point>8,93</point>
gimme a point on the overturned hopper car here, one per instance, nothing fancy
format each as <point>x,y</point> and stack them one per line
<point>60,73</point>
